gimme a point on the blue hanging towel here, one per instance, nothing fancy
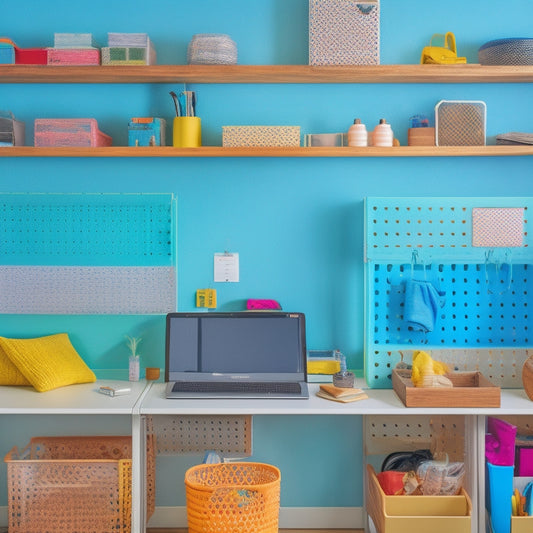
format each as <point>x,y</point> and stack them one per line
<point>422,302</point>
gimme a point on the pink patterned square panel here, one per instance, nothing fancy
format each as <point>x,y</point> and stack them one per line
<point>497,227</point>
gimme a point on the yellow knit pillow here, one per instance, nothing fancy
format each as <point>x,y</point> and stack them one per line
<point>9,373</point>
<point>47,362</point>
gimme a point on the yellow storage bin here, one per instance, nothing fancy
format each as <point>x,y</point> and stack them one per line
<point>406,514</point>
<point>521,524</point>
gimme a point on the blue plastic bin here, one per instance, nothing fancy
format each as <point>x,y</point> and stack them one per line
<point>500,490</point>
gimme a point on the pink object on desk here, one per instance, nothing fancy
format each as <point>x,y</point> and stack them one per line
<point>262,304</point>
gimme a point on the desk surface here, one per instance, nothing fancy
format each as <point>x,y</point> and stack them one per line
<point>380,401</point>
<point>149,399</point>
<point>74,399</point>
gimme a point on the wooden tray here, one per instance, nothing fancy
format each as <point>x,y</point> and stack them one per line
<point>470,389</point>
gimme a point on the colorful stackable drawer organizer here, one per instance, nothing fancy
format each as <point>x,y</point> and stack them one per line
<point>476,254</point>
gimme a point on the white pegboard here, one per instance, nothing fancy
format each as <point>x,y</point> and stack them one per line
<point>503,367</point>
<point>435,227</point>
<point>385,434</point>
<point>228,435</point>
<point>87,290</point>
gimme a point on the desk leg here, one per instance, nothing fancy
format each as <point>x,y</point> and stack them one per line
<point>138,474</point>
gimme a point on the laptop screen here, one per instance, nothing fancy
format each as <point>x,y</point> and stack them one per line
<point>259,345</point>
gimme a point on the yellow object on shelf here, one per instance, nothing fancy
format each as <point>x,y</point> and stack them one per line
<point>323,367</point>
<point>442,55</point>
<point>187,132</point>
<point>425,369</point>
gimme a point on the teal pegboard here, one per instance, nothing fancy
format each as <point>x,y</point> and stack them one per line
<point>87,229</point>
<point>486,289</point>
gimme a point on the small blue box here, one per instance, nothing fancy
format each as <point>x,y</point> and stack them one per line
<point>146,132</point>
<point>7,54</point>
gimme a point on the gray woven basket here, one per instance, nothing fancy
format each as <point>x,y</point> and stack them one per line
<point>211,49</point>
<point>507,52</point>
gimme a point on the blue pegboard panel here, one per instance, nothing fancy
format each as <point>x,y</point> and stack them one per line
<point>87,229</point>
<point>87,253</point>
<point>485,307</point>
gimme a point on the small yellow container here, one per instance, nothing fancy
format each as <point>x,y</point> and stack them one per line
<point>187,132</point>
<point>406,514</point>
<point>521,524</point>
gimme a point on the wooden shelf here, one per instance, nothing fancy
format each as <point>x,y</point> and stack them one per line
<point>218,151</point>
<point>472,73</point>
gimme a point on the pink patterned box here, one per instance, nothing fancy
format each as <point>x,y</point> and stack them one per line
<point>344,32</point>
<point>497,227</point>
<point>73,56</point>
<point>69,132</point>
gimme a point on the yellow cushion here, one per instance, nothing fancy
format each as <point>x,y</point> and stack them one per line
<point>47,362</point>
<point>9,373</point>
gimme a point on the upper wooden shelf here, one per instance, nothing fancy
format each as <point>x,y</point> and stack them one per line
<point>472,73</point>
<point>218,151</point>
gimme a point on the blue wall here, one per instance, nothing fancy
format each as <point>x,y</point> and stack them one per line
<point>296,223</point>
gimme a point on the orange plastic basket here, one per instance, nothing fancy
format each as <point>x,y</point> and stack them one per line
<point>232,498</point>
<point>80,484</point>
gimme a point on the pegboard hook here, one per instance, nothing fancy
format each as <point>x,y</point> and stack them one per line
<point>417,264</point>
<point>498,270</point>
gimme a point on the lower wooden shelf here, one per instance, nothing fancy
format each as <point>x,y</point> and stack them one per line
<point>297,151</point>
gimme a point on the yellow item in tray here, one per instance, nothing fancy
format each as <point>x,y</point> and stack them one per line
<point>427,372</point>
<point>442,55</point>
<point>323,367</point>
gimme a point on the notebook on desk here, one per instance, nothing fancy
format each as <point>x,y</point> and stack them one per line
<point>254,354</point>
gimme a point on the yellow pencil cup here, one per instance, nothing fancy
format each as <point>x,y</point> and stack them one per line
<point>187,132</point>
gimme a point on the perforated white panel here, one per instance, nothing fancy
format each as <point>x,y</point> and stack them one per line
<point>228,435</point>
<point>389,433</point>
<point>87,290</point>
<point>503,367</point>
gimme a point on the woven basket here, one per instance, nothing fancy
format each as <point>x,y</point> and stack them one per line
<point>507,52</point>
<point>460,123</point>
<point>76,484</point>
<point>232,497</point>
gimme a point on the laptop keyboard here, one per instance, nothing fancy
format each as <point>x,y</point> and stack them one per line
<point>237,386</point>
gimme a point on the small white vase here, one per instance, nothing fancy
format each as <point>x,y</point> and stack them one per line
<point>134,368</point>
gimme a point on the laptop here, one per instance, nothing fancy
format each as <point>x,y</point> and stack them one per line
<point>254,354</point>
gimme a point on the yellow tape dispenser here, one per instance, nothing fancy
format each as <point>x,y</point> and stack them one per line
<point>442,55</point>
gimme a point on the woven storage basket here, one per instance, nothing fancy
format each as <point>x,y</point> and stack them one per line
<point>507,52</point>
<point>232,497</point>
<point>74,484</point>
<point>460,123</point>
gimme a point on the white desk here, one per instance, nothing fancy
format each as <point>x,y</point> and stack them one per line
<point>379,402</point>
<point>147,399</point>
<point>82,399</point>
